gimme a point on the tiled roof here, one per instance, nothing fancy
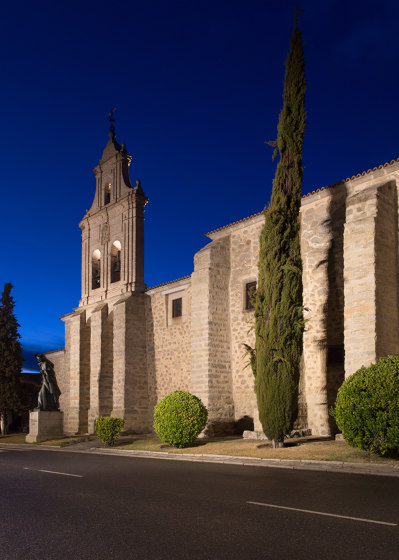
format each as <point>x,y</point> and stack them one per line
<point>387,164</point>
<point>170,282</point>
<point>233,223</point>
<point>310,194</point>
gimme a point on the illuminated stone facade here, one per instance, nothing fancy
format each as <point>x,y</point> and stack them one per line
<point>127,346</point>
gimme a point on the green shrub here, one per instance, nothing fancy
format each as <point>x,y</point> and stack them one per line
<point>179,418</point>
<point>108,428</point>
<point>367,407</point>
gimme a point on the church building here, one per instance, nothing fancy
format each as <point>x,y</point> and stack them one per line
<point>127,346</point>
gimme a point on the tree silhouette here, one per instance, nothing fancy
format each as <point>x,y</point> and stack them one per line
<point>279,320</point>
<point>10,359</point>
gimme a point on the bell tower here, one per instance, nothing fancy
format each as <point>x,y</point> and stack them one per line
<point>113,230</point>
<point>105,337</point>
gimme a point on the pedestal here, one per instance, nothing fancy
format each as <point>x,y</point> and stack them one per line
<point>44,425</point>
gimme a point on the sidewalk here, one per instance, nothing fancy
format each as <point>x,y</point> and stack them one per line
<point>92,447</point>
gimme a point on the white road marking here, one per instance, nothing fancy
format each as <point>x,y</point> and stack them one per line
<point>54,472</point>
<point>323,513</point>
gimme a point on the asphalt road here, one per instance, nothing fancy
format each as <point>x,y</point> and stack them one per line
<point>133,508</point>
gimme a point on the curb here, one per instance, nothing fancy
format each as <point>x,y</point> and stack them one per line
<point>303,464</point>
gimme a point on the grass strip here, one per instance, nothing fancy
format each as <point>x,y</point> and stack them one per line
<point>329,450</point>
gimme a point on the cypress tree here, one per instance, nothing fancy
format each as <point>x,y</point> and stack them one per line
<point>279,323</point>
<point>10,359</point>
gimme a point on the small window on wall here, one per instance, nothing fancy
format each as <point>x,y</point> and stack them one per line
<point>177,308</point>
<point>116,261</point>
<point>107,194</point>
<point>250,288</point>
<point>96,270</point>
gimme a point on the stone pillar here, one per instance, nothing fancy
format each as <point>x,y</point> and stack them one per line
<point>211,376</point>
<point>315,244</point>
<point>133,265</point>
<point>100,365</point>
<point>370,270</point>
<point>130,383</point>
<point>77,353</point>
<point>359,272</point>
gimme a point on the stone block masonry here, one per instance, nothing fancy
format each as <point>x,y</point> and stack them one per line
<point>244,270</point>
<point>386,249</point>
<point>44,425</point>
<point>126,347</point>
<point>168,340</point>
<point>101,342</point>
<point>321,273</point>
<point>211,377</point>
<point>130,379</point>
<point>371,275</point>
<point>77,363</point>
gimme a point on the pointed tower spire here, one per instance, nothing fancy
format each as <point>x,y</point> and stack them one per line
<point>113,228</point>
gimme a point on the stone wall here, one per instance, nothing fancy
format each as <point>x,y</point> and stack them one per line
<point>244,269</point>
<point>101,364</point>
<point>244,242</point>
<point>322,219</point>
<point>77,363</point>
<point>211,375</point>
<point>130,379</point>
<point>168,340</point>
<point>371,269</point>
<point>124,355</point>
<point>386,249</point>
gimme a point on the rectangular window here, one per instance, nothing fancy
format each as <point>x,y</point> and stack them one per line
<point>249,292</point>
<point>176,308</point>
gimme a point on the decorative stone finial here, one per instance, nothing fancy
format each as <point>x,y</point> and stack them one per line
<point>110,115</point>
<point>111,119</point>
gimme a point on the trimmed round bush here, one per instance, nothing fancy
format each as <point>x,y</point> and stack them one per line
<point>179,418</point>
<point>367,407</point>
<point>108,429</point>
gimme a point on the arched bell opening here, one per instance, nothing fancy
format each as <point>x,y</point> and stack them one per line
<point>116,261</point>
<point>96,269</point>
<point>107,194</point>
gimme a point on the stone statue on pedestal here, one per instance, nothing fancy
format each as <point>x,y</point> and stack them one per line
<point>49,392</point>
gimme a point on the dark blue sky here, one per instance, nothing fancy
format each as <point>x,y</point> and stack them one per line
<point>198,89</point>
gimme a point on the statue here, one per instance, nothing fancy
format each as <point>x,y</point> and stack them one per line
<point>49,392</point>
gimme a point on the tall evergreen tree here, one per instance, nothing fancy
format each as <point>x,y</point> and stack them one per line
<point>10,359</point>
<point>279,323</point>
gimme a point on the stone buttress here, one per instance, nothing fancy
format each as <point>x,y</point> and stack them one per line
<point>126,347</point>
<point>211,375</point>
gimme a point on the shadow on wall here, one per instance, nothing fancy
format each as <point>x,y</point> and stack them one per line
<point>151,364</point>
<point>386,278</point>
<point>106,374</point>
<point>243,424</point>
<point>84,372</point>
<point>333,343</point>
